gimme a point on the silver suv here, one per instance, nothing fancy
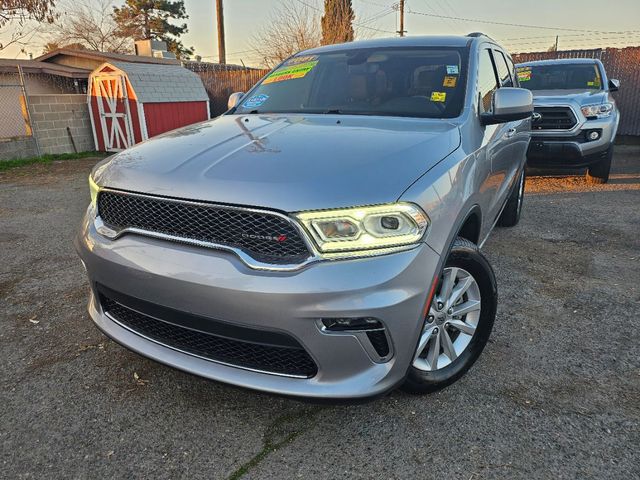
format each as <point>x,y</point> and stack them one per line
<point>321,238</point>
<point>576,118</point>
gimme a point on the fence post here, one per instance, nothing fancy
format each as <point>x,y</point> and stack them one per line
<point>34,133</point>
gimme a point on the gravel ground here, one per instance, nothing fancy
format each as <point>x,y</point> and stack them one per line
<point>556,393</point>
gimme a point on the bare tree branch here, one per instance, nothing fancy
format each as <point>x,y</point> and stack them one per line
<point>291,27</point>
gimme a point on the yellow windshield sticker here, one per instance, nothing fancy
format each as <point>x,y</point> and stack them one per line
<point>524,74</point>
<point>438,96</point>
<point>450,82</point>
<point>290,73</point>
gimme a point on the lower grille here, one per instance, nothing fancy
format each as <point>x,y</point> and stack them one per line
<point>554,118</point>
<point>378,339</point>
<point>265,351</point>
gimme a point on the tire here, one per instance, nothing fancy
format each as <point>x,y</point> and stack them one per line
<point>421,378</point>
<point>511,214</point>
<point>598,173</point>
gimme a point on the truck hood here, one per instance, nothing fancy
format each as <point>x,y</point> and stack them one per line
<point>284,162</point>
<point>577,97</point>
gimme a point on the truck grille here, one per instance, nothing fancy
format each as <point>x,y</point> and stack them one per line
<point>263,236</point>
<point>264,351</point>
<point>555,118</point>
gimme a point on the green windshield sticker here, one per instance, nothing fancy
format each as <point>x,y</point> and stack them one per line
<point>290,73</point>
<point>524,74</point>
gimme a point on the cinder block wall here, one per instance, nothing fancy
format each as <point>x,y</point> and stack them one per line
<point>50,117</point>
<point>17,147</point>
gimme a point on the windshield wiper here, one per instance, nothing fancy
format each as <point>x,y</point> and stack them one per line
<point>335,111</point>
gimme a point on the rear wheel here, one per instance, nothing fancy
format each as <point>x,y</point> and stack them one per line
<point>458,323</point>
<point>511,214</point>
<point>599,172</point>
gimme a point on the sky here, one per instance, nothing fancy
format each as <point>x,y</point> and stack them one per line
<point>579,23</point>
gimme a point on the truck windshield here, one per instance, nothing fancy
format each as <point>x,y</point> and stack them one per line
<point>560,77</point>
<point>407,82</point>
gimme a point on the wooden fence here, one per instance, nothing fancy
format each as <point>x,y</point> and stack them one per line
<point>220,82</point>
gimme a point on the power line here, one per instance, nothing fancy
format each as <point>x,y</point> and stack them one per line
<point>355,23</point>
<point>491,22</point>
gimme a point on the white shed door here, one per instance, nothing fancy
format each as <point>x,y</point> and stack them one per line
<point>113,107</point>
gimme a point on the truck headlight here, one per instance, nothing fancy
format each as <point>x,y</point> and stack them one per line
<point>602,110</point>
<point>350,230</point>
<point>93,190</point>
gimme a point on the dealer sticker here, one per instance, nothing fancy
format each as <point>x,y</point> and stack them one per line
<point>452,70</point>
<point>438,96</point>
<point>450,82</point>
<point>256,101</point>
<point>290,73</point>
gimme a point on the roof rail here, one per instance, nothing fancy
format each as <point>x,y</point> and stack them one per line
<point>479,34</point>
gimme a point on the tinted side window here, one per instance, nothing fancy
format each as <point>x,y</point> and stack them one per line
<point>487,83</point>
<point>504,73</point>
<point>512,69</point>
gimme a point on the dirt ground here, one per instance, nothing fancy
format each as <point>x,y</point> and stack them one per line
<point>556,393</point>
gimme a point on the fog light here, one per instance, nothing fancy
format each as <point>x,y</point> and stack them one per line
<point>358,323</point>
<point>593,135</point>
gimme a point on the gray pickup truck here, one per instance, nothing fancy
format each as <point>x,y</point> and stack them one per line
<point>576,119</point>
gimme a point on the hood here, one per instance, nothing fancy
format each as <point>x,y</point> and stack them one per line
<point>284,162</point>
<point>579,97</point>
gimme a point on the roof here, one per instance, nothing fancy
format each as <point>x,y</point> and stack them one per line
<point>561,61</point>
<point>107,57</point>
<point>161,83</point>
<point>33,66</point>
<point>411,41</point>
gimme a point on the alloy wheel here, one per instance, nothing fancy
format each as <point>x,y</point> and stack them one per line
<point>452,321</point>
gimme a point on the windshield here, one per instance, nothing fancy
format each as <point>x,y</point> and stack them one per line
<point>560,77</point>
<point>408,82</point>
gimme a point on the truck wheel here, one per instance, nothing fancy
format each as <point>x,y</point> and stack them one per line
<point>458,322</point>
<point>511,214</point>
<point>599,172</point>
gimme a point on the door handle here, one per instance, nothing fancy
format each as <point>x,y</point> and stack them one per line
<point>511,132</point>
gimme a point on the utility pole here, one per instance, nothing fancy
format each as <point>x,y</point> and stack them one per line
<point>557,39</point>
<point>402,31</point>
<point>222,56</point>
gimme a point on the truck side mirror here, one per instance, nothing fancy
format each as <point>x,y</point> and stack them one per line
<point>614,85</point>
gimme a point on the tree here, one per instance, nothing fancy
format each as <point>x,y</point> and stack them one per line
<point>337,22</point>
<point>88,24</point>
<point>150,19</point>
<point>291,27</point>
<point>22,13</point>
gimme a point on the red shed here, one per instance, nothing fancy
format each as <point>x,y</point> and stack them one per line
<point>131,102</point>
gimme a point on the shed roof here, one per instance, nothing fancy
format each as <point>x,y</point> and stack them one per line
<point>33,66</point>
<point>161,83</point>
<point>106,57</point>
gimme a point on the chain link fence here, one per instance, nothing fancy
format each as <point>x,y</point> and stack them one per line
<point>42,113</point>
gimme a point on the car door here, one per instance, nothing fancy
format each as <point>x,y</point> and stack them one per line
<point>493,154</point>
<point>509,158</point>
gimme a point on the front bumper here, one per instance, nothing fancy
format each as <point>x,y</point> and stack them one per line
<point>571,149</point>
<point>392,288</point>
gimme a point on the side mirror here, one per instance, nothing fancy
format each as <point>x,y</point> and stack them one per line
<point>614,85</point>
<point>509,104</point>
<point>234,99</point>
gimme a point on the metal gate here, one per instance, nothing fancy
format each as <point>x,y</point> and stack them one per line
<point>110,92</point>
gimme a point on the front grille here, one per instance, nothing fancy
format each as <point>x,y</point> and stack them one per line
<point>263,236</point>
<point>265,351</point>
<point>555,118</point>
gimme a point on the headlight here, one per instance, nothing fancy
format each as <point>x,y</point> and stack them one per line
<point>93,190</point>
<point>601,110</point>
<point>365,228</point>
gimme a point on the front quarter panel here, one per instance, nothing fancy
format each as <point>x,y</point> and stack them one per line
<point>448,193</point>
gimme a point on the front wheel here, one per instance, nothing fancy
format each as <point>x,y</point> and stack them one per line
<point>599,172</point>
<point>458,323</point>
